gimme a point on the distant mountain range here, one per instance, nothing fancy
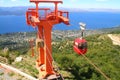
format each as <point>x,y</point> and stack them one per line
<point>12,10</point>
<point>22,10</point>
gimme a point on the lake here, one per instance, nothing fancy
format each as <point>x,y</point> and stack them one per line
<point>94,20</point>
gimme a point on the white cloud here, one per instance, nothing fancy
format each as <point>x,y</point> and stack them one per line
<point>1,1</point>
<point>13,0</point>
<point>73,0</point>
<point>102,0</point>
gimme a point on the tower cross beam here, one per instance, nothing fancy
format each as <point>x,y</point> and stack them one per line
<point>47,1</point>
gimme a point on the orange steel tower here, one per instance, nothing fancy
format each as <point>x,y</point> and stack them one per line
<point>44,24</point>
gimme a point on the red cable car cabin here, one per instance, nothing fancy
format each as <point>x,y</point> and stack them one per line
<point>80,46</point>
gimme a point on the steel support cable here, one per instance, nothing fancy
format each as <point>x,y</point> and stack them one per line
<point>49,53</point>
<point>98,69</point>
<point>107,78</point>
<point>49,50</point>
<point>46,47</point>
<point>49,62</point>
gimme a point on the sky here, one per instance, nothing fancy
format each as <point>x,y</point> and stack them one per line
<point>106,4</point>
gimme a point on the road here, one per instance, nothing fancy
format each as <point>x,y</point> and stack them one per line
<point>5,68</point>
<point>4,75</point>
<point>115,39</point>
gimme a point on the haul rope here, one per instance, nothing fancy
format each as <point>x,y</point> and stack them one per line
<point>98,69</point>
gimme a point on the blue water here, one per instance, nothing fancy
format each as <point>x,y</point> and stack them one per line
<point>94,20</point>
<point>13,24</point>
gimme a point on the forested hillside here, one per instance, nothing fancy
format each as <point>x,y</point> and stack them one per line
<point>101,52</point>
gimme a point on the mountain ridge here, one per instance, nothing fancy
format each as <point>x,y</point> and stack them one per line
<point>20,10</point>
